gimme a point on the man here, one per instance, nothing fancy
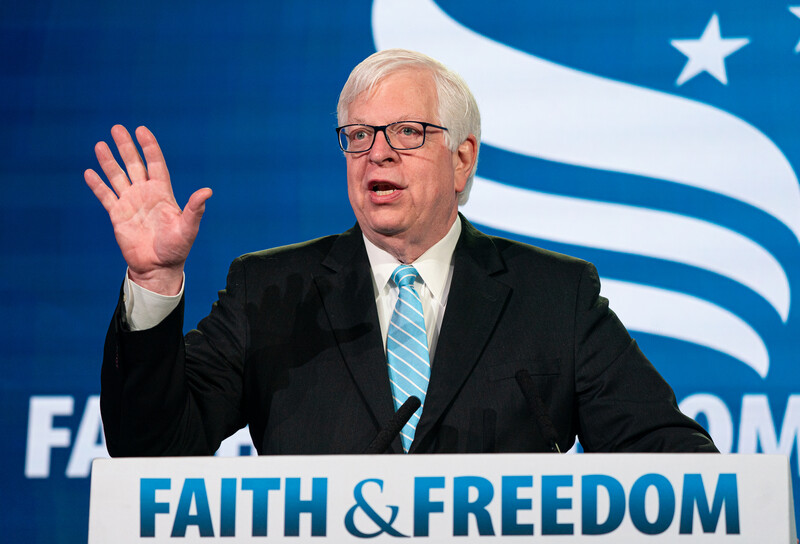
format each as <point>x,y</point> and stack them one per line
<point>315,346</point>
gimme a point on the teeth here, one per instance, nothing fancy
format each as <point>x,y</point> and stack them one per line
<point>384,192</point>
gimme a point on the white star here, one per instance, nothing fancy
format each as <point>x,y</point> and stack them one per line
<point>796,11</point>
<point>707,54</point>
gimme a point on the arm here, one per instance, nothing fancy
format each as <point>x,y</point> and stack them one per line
<point>146,403</point>
<point>158,400</point>
<point>624,404</point>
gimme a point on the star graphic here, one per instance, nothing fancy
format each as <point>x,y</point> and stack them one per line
<point>707,53</point>
<point>796,11</point>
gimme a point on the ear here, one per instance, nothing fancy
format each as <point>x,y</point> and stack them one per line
<point>464,161</point>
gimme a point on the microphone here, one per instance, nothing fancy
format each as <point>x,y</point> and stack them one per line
<point>536,408</point>
<point>393,427</point>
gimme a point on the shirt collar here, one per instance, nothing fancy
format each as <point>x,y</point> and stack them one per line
<point>433,266</point>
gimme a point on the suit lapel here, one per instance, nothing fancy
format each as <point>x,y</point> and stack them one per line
<point>345,285</point>
<point>474,305</point>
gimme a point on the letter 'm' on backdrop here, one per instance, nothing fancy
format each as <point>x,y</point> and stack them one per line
<point>658,141</point>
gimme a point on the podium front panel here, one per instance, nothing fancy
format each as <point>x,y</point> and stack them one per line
<point>444,498</point>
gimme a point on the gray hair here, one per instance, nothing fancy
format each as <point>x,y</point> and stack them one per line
<point>458,110</point>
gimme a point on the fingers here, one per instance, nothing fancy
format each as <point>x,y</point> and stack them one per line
<point>195,208</point>
<point>116,175</point>
<point>156,165</point>
<point>105,195</point>
<point>137,170</point>
<point>130,155</point>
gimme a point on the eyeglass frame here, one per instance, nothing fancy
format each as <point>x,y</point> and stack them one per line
<point>382,128</point>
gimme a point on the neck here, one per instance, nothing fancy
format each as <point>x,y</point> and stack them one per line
<point>406,248</point>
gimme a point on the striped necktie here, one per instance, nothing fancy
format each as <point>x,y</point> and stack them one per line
<point>407,349</point>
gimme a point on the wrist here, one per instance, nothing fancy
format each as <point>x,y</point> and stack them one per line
<point>165,281</point>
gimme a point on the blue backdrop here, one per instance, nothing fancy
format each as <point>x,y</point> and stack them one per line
<point>658,140</point>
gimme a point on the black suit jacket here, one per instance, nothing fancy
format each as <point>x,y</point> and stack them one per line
<point>293,347</point>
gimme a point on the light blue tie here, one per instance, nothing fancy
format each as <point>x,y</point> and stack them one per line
<point>407,349</point>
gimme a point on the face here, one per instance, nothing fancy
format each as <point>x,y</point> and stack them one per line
<point>405,201</point>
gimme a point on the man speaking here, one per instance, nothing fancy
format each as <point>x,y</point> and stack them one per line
<point>508,347</point>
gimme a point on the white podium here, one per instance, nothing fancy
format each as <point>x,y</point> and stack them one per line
<point>444,498</point>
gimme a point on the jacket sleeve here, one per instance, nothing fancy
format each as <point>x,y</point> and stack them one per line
<point>624,404</point>
<point>156,400</point>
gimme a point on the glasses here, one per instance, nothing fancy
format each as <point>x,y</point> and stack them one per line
<point>401,136</point>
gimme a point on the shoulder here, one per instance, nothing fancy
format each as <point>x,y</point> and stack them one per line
<point>311,250</point>
<point>324,251</point>
<point>515,258</point>
<point>516,253</point>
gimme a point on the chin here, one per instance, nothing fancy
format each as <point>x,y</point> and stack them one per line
<point>385,230</point>
<point>387,226</point>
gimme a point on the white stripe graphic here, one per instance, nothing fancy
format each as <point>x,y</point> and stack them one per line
<point>630,229</point>
<point>542,109</point>
<point>687,318</point>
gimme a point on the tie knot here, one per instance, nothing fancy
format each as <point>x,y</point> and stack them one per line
<point>404,275</point>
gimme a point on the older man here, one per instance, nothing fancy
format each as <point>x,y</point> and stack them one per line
<point>509,347</point>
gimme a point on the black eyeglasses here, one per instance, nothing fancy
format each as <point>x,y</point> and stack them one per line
<point>402,135</point>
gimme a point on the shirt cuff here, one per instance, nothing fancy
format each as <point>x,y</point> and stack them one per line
<point>145,309</point>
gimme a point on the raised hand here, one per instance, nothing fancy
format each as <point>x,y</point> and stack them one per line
<point>152,231</point>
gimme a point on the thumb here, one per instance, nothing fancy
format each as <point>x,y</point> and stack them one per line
<point>193,211</point>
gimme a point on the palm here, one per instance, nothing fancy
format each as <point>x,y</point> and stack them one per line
<point>152,231</point>
<point>148,227</point>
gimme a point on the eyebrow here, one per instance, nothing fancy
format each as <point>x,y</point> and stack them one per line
<point>359,121</point>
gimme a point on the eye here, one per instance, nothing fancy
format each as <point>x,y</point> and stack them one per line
<point>409,130</point>
<point>359,134</point>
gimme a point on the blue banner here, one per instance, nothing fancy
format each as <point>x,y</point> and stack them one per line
<point>657,140</point>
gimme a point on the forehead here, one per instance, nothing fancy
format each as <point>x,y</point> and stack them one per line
<point>408,94</point>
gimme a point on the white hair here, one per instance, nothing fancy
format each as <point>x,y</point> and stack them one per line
<point>458,110</point>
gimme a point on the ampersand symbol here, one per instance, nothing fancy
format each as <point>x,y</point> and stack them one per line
<point>383,525</point>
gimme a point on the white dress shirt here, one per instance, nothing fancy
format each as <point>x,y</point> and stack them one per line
<point>435,269</point>
<point>145,309</point>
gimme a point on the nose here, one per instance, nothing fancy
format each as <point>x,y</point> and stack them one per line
<point>381,150</point>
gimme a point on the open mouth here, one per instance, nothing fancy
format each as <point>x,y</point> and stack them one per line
<point>382,188</point>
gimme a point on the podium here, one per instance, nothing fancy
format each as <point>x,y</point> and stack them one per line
<point>444,498</point>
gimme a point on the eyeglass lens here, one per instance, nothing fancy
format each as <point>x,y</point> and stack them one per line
<point>402,135</point>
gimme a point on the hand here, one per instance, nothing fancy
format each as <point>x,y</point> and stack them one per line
<point>155,236</point>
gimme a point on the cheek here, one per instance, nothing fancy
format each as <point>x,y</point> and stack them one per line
<point>446,183</point>
<point>353,196</point>
<point>353,178</point>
